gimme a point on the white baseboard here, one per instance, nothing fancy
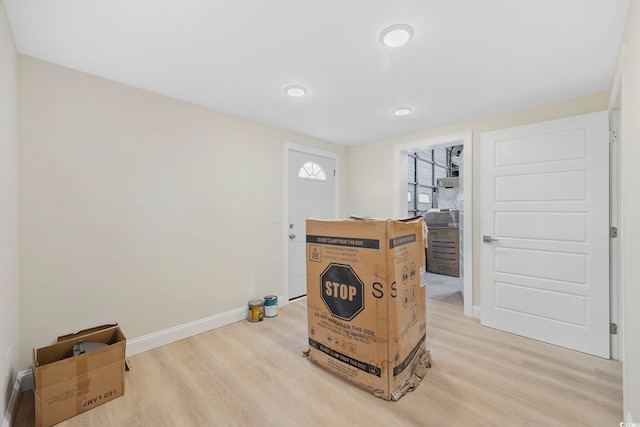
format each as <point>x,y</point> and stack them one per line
<point>628,419</point>
<point>180,332</point>
<point>476,311</point>
<point>24,381</point>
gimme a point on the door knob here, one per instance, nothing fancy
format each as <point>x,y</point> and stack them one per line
<point>292,236</point>
<point>488,239</point>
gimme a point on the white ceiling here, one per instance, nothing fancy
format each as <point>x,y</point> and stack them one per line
<point>467,59</point>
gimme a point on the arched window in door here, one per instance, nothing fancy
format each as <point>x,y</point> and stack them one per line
<point>312,170</point>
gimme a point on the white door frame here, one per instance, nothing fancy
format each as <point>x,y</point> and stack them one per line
<point>289,146</point>
<point>617,125</point>
<point>400,155</point>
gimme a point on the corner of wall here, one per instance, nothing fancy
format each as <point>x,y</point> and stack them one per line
<point>9,344</point>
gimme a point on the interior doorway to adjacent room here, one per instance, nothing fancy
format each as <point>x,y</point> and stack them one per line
<point>435,174</point>
<point>434,192</point>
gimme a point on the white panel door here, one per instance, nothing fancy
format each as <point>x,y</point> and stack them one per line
<point>311,195</point>
<point>545,226</point>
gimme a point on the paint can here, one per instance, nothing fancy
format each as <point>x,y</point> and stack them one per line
<point>256,310</point>
<point>270,306</point>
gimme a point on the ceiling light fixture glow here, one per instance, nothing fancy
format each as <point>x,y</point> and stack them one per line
<point>402,111</point>
<point>396,35</point>
<point>295,90</point>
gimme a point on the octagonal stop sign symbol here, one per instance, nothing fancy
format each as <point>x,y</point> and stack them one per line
<point>342,291</point>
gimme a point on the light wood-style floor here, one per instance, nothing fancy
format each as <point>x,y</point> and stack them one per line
<point>253,374</point>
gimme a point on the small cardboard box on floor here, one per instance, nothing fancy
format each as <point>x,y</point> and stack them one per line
<point>366,302</point>
<point>67,385</point>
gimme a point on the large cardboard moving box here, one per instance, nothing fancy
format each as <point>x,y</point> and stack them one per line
<point>366,302</point>
<point>67,385</point>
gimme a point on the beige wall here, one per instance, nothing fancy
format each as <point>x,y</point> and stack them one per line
<point>629,64</point>
<point>370,167</point>
<point>140,209</point>
<point>8,208</point>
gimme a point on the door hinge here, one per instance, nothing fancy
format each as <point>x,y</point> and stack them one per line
<point>613,329</point>
<point>613,232</point>
<point>613,137</point>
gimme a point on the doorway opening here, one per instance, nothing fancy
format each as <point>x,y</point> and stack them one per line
<point>440,158</point>
<point>435,193</point>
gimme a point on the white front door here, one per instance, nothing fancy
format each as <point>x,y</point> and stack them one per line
<point>545,226</point>
<point>311,195</point>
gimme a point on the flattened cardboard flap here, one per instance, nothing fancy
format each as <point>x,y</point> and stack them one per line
<point>83,332</point>
<point>368,218</point>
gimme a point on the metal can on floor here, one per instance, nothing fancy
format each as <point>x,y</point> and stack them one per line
<point>256,310</point>
<point>270,306</point>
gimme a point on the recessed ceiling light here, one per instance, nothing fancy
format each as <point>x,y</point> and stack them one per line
<point>402,111</point>
<point>295,90</point>
<point>396,35</point>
